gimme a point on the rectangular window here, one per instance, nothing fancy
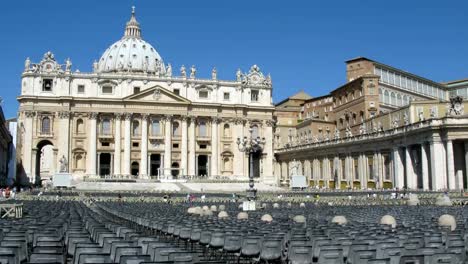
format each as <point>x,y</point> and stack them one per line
<point>254,96</point>
<point>177,91</point>
<point>81,89</point>
<point>175,146</point>
<point>226,96</point>
<point>155,128</point>
<point>107,90</point>
<point>203,146</point>
<point>136,90</point>
<point>47,85</point>
<point>203,94</point>
<point>135,144</point>
<point>105,144</point>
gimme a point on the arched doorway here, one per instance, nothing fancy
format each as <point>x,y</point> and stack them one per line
<point>44,161</point>
<point>202,165</point>
<point>135,168</point>
<point>175,170</point>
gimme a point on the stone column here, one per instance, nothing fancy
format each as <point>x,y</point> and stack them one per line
<point>183,148</point>
<point>117,144</point>
<point>192,160</point>
<point>144,146</point>
<point>214,146</point>
<point>127,144</point>
<point>466,161</point>
<point>450,166</point>
<point>64,138</point>
<point>91,168</point>
<point>267,176</point>
<point>238,132</point>
<point>438,168</point>
<point>99,164</point>
<point>409,170</point>
<point>398,171</point>
<point>167,146</point>
<point>28,156</point>
<point>425,167</point>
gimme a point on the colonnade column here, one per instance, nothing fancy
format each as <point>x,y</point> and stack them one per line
<point>425,167</point>
<point>214,146</point>
<point>91,168</point>
<point>398,171</point>
<point>466,161</point>
<point>192,145</point>
<point>167,146</point>
<point>267,169</point>
<point>28,152</point>
<point>127,144</point>
<point>184,146</point>
<point>409,169</point>
<point>144,146</point>
<point>438,169</point>
<point>117,144</point>
<point>450,166</point>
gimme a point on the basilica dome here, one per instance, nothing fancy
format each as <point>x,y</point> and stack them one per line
<point>131,53</point>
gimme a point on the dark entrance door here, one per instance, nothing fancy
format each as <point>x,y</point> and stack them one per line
<point>104,164</point>
<point>135,168</point>
<point>202,164</point>
<point>155,164</point>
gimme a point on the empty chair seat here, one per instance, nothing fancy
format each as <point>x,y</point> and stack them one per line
<point>47,258</point>
<point>89,258</point>
<point>331,256</point>
<point>135,259</point>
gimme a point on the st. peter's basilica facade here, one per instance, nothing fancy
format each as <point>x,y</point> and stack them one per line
<point>136,117</point>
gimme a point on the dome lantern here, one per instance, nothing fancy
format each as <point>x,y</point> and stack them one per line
<point>132,29</point>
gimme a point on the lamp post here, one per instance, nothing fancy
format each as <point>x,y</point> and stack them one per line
<point>250,146</point>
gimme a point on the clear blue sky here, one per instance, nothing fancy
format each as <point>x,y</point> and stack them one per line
<point>303,44</point>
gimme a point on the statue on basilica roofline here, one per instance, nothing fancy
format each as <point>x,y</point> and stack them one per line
<point>193,71</point>
<point>183,72</point>
<point>68,65</point>
<point>95,66</point>
<point>169,70</point>
<point>27,64</point>
<point>239,75</point>
<point>214,74</point>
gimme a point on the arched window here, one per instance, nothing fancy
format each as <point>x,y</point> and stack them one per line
<point>392,99</point>
<point>255,131</point>
<point>106,126</point>
<point>45,125</point>
<point>79,126</point>
<point>136,128</point>
<point>202,132</point>
<point>155,128</point>
<point>399,101</point>
<point>227,130</point>
<point>175,129</point>
<point>386,97</point>
<point>405,99</point>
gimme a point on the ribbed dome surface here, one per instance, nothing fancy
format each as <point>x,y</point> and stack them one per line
<point>131,53</point>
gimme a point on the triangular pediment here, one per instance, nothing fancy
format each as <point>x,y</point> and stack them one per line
<point>157,94</point>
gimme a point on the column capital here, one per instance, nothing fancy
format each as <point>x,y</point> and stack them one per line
<point>128,116</point>
<point>93,115</point>
<point>185,118</point>
<point>64,114</point>
<point>145,116</point>
<point>216,120</point>
<point>240,121</point>
<point>118,116</point>
<point>168,118</point>
<point>29,114</point>
<point>270,122</point>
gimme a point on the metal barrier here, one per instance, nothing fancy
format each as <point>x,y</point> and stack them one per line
<point>11,210</point>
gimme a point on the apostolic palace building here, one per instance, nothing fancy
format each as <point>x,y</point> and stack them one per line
<point>136,117</point>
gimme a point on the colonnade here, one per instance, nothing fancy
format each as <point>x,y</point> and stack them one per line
<point>431,165</point>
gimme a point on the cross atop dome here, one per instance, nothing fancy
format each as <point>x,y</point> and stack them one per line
<point>132,29</point>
